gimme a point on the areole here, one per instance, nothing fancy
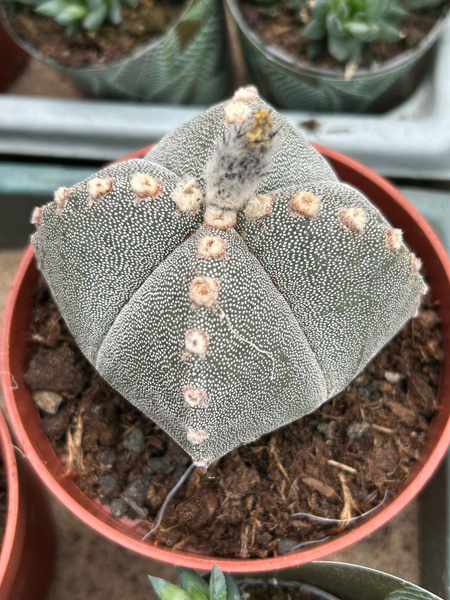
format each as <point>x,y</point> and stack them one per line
<point>26,421</point>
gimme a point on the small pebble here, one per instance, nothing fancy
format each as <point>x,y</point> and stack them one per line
<point>108,484</point>
<point>106,458</point>
<point>357,429</point>
<point>327,429</point>
<point>393,377</point>
<point>370,390</point>
<point>134,441</point>
<point>285,546</point>
<point>48,401</point>
<point>161,464</point>
<point>134,511</point>
<point>118,507</point>
<point>138,489</point>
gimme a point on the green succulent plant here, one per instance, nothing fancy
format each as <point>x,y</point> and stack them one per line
<point>193,587</point>
<point>350,27</point>
<point>80,14</point>
<point>227,283</point>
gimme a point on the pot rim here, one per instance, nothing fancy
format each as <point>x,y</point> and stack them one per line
<point>285,60</point>
<point>104,524</point>
<point>133,55</point>
<point>12,489</point>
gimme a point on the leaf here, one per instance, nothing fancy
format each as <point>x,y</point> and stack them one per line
<point>51,8</point>
<point>334,25</point>
<point>93,4</point>
<point>375,10</point>
<point>94,19</point>
<point>388,33</point>
<point>217,584</point>
<point>315,31</point>
<point>232,588</point>
<point>342,48</point>
<point>72,12</point>
<point>115,11</point>
<point>168,591</point>
<point>195,585</point>
<point>396,13</point>
<point>321,9</point>
<point>365,32</point>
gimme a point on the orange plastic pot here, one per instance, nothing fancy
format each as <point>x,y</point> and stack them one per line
<point>27,424</point>
<point>26,556</point>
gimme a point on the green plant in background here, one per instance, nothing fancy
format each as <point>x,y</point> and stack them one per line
<point>228,283</point>
<point>349,28</point>
<point>194,587</point>
<point>80,14</point>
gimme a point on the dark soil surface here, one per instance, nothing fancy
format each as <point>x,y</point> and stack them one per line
<point>339,462</point>
<point>284,30</point>
<point>3,501</point>
<point>139,26</point>
<point>276,591</point>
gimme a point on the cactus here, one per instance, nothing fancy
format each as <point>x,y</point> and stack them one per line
<point>227,283</point>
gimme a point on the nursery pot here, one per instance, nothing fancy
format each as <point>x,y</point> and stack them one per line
<point>287,83</point>
<point>186,64</point>
<point>12,59</point>
<point>26,555</point>
<point>27,422</point>
<point>342,581</point>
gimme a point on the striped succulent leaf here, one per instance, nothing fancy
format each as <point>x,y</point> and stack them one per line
<point>227,283</point>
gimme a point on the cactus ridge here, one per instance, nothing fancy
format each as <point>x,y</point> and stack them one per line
<point>222,326</point>
<point>102,250</point>
<point>338,297</point>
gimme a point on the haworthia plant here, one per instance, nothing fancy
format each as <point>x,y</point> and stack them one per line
<point>227,283</point>
<point>193,587</point>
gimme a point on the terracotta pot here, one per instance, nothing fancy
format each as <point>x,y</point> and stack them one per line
<point>26,557</point>
<point>27,423</point>
<point>12,59</point>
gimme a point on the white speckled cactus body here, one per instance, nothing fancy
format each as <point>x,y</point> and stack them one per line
<point>227,283</point>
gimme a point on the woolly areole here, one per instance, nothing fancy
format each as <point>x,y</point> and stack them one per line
<point>228,283</point>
